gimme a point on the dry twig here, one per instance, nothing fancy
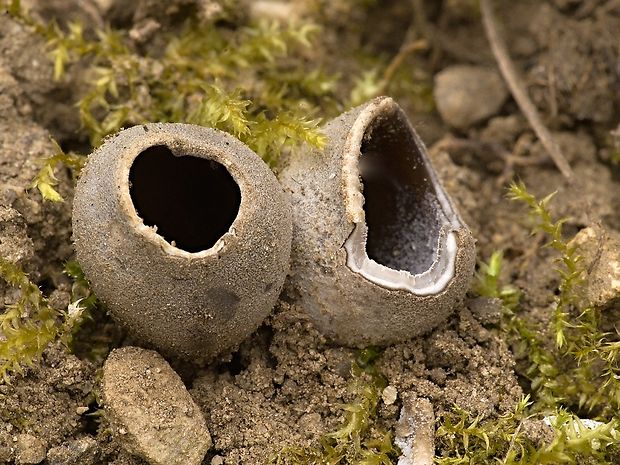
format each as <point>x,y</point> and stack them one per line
<point>517,88</point>
<point>398,59</point>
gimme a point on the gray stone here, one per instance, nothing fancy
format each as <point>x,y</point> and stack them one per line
<point>466,95</point>
<point>150,411</point>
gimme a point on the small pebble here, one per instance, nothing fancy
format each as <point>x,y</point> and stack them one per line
<point>466,95</point>
<point>389,395</point>
<point>600,250</point>
<point>150,409</point>
<point>81,410</point>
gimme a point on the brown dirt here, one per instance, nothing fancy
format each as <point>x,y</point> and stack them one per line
<point>285,383</point>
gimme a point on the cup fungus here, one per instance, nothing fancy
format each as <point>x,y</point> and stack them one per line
<point>379,253</point>
<point>185,235</point>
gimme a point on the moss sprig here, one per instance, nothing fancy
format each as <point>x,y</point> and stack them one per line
<point>468,440</point>
<point>80,289</point>
<point>570,268</point>
<point>46,182</point>
<point>30,324</point>
<point>488,282</point>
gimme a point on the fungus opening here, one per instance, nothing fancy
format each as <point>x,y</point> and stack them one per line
<point>192,201</point>
<point>403,216</point>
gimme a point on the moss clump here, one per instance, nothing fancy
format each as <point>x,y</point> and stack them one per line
<point>572,366</point>
<point>472,441</point>
<point>580,371</point>
<point>254,82</point>
<point>30,323</point>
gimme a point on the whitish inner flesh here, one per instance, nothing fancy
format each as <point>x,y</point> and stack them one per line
<point>403,216</point>
<point>191,201</point>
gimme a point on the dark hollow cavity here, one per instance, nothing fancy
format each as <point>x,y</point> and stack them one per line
<point>402,212</point>
<point>192,201</point>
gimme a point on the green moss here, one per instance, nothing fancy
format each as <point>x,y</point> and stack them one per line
<point>488,282</point>
<point>254,82</point>
<point>572,363</point>
<point>570,270</point>
<point>470,441</point>
<point>572,366</point>
<point>45,181</point>
<point>581,372</point>
<point>30,323</point>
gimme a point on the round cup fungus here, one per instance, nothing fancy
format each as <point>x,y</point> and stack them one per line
<point>379,253</point>
<point>184,234</point>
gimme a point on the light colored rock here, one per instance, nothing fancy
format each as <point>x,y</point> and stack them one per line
<point>415,432</point>
<point>30,450</point>
<point>150,410</point>
<point>274,10</point>
<point>600,250</point>
<point>466,95</point>
<point>389,395</point>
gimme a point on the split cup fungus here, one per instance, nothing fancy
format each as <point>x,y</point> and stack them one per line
<point>379,253</point>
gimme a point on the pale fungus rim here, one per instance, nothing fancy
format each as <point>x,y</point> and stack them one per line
<point>180,145</point>
<point>443,268</point>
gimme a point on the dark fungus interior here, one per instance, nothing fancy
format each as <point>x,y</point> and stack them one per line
<point>403,215</point>
<point>191,200</point>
